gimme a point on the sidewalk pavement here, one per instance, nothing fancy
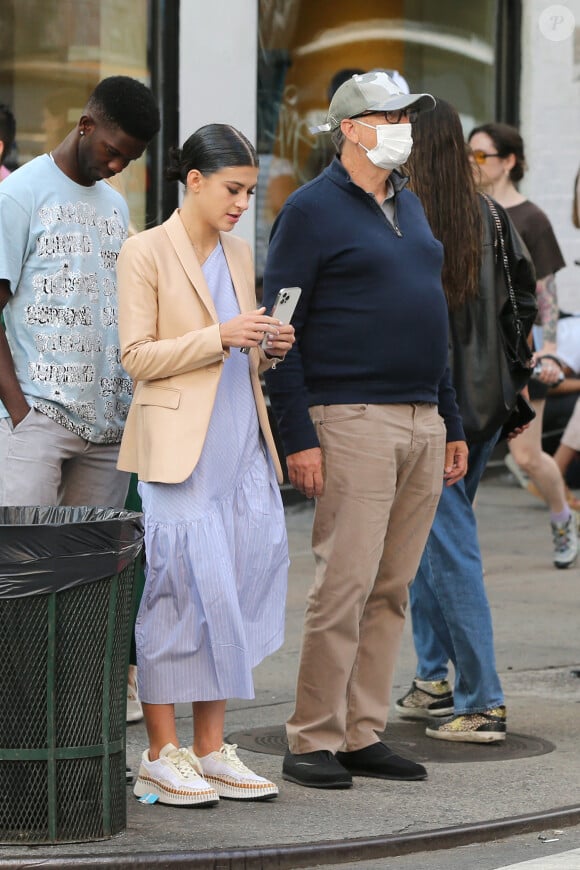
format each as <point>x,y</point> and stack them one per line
<point>530,782</point>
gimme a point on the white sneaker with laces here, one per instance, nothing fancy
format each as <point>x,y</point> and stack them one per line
<point>565,536</point>
<point>232,779</point>
<point>175,777</point>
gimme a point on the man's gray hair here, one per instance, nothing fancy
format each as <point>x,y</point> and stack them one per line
<point>337,138</point>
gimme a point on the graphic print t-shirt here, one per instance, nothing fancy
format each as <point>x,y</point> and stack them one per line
<point>59,243</point>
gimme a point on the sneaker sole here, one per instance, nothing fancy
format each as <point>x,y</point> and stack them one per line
<point>345,783</point>
<point>467,736</point>
<point>147,785</point>
<point>371,775</point>
<point>564,565</point>
<point>241,792</point>
<point>423,712</point>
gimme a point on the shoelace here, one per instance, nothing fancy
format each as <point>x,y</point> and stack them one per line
<point>562,536</point>
<point>181,759</point>
<point>228,751</point>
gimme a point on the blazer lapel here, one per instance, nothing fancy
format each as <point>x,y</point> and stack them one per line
<point>244,292</point>
<point>186,255</point>
<point>242,274</point>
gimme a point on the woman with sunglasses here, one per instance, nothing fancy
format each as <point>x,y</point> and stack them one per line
<point>497,153</point>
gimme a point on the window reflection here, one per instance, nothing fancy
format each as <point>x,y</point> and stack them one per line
<point>53,53</point>
<point>443,48</point>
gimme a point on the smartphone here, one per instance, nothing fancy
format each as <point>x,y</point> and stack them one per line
<point>522,414</point>
<point>284,306</point>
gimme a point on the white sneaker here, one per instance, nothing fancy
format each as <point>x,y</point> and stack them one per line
<point>232,779</point>
<point>175,778</point>
<point>565,536</point>
<point>134,708</point>
<point>520,475</point>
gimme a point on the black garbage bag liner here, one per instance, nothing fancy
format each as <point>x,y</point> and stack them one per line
<point>45,549</point>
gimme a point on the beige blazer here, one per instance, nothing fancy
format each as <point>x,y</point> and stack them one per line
<point>171,347</point>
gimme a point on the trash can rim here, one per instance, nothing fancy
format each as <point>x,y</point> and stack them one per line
<point>59,517</point>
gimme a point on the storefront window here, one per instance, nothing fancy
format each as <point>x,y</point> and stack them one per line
<point>53,53</point>
<point>444,48</point>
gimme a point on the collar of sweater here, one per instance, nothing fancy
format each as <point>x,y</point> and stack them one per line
<point>339,175</point>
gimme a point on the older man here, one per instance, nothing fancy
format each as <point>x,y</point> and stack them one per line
<point>368,420</point>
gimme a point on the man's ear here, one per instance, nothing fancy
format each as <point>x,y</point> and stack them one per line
<point>349,129</point>
<point>1,151</point>
<point>86,124</point>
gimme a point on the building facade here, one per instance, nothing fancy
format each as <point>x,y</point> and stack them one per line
<point>267,67</point>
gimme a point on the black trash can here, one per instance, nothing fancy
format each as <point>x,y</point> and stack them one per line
<point>67,586</point>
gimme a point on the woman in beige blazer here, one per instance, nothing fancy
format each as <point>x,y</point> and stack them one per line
<point>198,436</point>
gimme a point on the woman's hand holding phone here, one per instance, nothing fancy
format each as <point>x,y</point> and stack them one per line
<point>278,341</point>
<point>283,309</point>
<point>248,330</point>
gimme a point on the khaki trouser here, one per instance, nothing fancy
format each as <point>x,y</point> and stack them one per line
<point>383,478</point>
<point>42,463</point>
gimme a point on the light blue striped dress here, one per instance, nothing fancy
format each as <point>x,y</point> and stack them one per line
<point>217,553</point>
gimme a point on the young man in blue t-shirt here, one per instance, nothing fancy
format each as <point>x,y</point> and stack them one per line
<point>63,394</point>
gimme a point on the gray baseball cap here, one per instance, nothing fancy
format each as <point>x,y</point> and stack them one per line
<point>370,92</point>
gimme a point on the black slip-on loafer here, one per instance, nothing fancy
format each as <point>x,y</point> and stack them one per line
<point>377,760</point>
<point>318,769</point>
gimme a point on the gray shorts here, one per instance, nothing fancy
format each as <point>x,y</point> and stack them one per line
<point>42,463</point>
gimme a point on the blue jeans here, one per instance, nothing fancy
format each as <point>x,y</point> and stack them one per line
<point>449,606</point>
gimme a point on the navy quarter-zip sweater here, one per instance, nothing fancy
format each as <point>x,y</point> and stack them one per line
<point>372,320</point>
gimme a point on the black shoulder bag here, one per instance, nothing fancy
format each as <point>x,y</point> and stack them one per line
<point>517,315</point>
<point>489,356</point>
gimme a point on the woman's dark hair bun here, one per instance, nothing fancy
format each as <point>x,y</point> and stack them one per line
<point>210,149</point>
<point>174,169</point>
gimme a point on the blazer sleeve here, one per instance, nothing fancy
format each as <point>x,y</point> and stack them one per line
<point>143,355</point>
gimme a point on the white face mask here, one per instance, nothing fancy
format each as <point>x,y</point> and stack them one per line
<point>394,144</point>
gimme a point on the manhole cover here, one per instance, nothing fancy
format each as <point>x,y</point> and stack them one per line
<point>409,739</point>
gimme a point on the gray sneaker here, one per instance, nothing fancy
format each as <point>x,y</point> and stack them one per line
<point>565,537</point>
<point>426,699</point>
